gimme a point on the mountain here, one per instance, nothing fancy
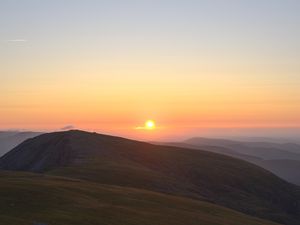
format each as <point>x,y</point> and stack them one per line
<point>261,139</point>
<point>285,168</point>
<point>32,199</point>
<point>264,150</point>
<point>211,148</point>
<point>282,159</point>
<point>10,139</point>
<point>194,174</point>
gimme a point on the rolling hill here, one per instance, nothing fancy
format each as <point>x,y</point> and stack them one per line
<point>31,199</point>
<point>264,150</point>
<point>193,174</point>
<point>282,159</point>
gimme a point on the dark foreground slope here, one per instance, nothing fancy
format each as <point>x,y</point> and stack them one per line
<point>29,199</point>
<point>196,174</point>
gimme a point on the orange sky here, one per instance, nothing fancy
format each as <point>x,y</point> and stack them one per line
<point>184,69</point>
<point>121,97</point>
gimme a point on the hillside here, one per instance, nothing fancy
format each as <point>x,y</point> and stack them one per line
<point>264,150</point>
<point>29,199</point>
<point>183,172</point>
<point>282,159</point>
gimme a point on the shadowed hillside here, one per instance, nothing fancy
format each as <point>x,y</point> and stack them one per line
<point>29,199</point>
<point>196,174</point>
<point>282,159</point>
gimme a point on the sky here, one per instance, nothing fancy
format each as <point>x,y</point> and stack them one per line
<point>191,66</point>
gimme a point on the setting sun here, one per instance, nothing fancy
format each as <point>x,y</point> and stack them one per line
<point>150,125</point>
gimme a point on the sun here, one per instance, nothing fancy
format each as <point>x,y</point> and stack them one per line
<point>150,125</point>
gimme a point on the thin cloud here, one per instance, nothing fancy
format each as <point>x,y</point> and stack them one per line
<point>147,128</point>
<point>68,127</point>
<point>140,128</point>
<point>17,40</point>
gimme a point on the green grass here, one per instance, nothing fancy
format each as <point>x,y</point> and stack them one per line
<point>26,199</point>
<point>228,182</point>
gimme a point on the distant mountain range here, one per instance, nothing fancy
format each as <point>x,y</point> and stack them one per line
<point>283,159</point>
<point>121,178</point>
<point>10,139</point>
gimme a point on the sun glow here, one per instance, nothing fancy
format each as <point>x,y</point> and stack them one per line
<point>150,125</point>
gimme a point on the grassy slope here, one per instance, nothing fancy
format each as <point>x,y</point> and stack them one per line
<point>27,199</point>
